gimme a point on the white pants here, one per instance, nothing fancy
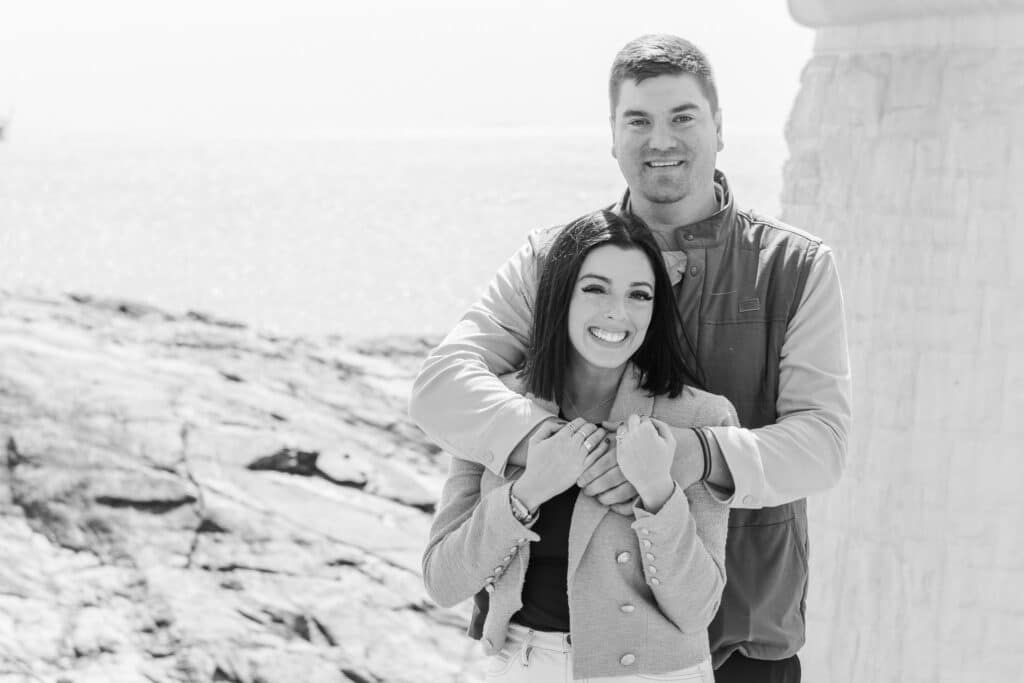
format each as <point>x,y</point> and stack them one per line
<point>530,656</point>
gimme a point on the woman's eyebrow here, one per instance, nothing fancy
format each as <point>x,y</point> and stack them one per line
<point>602,278</point>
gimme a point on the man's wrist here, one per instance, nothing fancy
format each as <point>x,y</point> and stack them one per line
<point>719,474</point>
<point>688,461</point>
<point>705,451</point>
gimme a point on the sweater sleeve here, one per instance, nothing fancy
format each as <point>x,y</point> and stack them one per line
<point>683,551</point>
<point>804,451</point>
<point>457,398</point>
<point>475,541</point>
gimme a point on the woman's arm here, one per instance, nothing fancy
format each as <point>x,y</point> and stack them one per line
<point>683,553</point>
<point>474,541</point>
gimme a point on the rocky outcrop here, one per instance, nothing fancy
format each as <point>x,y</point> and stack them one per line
<point>907,155</point>
<point>186,499</point>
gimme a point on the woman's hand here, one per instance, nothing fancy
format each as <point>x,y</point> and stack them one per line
<point>557,455</point>
<point>645,448</point>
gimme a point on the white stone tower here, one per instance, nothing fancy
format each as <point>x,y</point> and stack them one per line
<point>907,155</point>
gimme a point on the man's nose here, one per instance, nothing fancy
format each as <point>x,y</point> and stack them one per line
<point>662,138</point>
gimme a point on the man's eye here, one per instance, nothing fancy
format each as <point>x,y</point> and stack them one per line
<point>684,118</point>
<point>637,122</point>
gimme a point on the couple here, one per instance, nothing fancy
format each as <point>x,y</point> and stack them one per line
<point>632,387</point>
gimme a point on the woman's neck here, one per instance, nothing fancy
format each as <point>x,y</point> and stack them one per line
<point>590,392</point>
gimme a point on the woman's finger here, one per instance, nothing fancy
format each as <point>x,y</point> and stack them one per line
<point>593,439</point>
<point>571,428</point>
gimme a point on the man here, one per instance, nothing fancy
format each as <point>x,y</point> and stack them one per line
<point>762,316</point>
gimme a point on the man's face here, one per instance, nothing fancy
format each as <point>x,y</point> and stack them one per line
<point>665,138</point>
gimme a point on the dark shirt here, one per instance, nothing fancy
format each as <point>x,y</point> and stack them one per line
<point>545,591</point>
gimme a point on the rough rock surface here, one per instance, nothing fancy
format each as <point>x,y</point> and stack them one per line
<point>185,499</point>
<point>907,156</point>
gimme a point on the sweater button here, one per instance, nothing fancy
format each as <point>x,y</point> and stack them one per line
<point>627,608</point>
<point>623,557</point>
<point>694,270</point>
<point>688,237</point>
<point>627,659</point>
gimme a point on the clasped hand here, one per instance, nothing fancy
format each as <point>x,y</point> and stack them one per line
<point>612,469</point>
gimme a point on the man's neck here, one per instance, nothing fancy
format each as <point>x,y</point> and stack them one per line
<point>668,217</point>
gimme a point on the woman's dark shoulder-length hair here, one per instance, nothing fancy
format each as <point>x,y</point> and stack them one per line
<point>660,359</point>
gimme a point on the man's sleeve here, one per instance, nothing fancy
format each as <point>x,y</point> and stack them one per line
<point>804,452</point>
<point>457,398</point>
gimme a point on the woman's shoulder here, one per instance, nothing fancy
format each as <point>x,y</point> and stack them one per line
<point>695,407</point>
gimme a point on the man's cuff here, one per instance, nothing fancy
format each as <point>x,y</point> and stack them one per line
<point>739,448</point>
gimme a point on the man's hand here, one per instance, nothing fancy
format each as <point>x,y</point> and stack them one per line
<point>602,478</point>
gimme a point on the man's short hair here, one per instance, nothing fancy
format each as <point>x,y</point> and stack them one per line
<point>658,54</point>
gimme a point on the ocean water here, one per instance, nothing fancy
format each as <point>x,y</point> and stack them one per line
<point>362,235</point>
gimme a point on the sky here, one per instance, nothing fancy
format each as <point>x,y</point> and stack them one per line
<point>318,67</point>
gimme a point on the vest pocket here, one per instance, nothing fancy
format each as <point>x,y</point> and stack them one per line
<point>766,583</point>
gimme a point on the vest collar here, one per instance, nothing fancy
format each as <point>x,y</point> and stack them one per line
<point>705,232</point>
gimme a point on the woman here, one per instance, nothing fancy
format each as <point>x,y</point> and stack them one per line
<point>565,588</point>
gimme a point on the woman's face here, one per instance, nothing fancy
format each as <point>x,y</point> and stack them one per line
<point>611,306</point>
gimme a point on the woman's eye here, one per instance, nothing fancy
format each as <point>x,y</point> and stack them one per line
<point>642,296</point>
<point>593,289</point>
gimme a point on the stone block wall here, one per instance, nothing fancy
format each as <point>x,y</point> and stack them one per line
<point>907,155</point>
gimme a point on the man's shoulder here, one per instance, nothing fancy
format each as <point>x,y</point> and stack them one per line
<point>541,238</point>
<point>768,229</point>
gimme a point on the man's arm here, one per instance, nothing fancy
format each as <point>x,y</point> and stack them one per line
<point>457,398</point>
<point>804,452</point>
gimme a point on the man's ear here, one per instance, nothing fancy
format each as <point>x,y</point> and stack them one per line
<point>718,129</point>
<point>611,123</point>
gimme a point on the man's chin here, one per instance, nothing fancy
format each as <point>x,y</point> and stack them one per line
<point>664,197</point>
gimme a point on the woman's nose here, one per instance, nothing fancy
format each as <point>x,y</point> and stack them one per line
<point>614,310</point>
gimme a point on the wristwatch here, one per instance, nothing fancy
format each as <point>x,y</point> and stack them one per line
<point>520,511</point>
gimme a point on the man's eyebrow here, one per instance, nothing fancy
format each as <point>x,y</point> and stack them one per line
<point>687,106</point>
